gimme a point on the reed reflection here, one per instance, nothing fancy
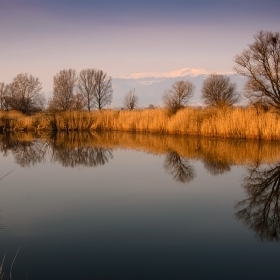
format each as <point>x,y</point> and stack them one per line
<point>93,149</point>
<point>261,209</point>
<point>180,168</point>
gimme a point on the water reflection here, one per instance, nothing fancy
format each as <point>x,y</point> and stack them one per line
<point>216,166</point>
<point>72,150</point>
<point>68,150</point>
<point>1,225</point>
<point>180,168</point>
<point>85,156</point>
<point>26,152</point>
<point>94,149</point>
<point>261,209</point>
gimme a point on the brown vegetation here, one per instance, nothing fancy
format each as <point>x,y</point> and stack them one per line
<point>238,123</point>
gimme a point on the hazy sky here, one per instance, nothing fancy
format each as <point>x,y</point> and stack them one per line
<point>121,37</point>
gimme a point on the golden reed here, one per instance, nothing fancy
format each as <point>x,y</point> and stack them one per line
<point>238,123</point>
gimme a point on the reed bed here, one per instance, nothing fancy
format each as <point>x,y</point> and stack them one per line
<point>238,123</point>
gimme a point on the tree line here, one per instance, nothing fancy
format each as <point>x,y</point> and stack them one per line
<point>93,89</point>
<point>260,63</point>
<point>89,89</point>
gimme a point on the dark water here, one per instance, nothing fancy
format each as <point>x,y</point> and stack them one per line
<point>136,206</point>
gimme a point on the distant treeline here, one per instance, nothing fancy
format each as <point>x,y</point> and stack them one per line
<point>92,89</point>
<point>78,100</point>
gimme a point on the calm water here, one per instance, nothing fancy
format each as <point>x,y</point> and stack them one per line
<point>136,206</point>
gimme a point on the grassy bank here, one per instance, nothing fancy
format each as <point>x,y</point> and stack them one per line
<point>238,123</point>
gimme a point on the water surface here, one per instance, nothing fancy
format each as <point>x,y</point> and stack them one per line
<point>139,206</point>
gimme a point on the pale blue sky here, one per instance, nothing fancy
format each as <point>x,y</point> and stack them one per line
<point>123,37</point>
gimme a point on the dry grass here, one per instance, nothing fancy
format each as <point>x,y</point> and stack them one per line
<point>238,123</point>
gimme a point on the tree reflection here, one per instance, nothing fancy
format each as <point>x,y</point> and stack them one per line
<point>216,166</point>
<point>69,150</point>
<point>260,211</point>
<point>30,153</point>
<point>179,167</point>
<point>26,153</point>
<point>86,156</point>
<point>74,149</point>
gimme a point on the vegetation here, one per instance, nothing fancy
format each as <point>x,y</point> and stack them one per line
<point>23,94</point>
<point>63,90</point>
<point>130,100</point>
<point>260,63</point>
<point>178,96</point>
<point>103,94</point>
<point>239,123</point>
<point>3,93</point>
<point>21,102</point>
<point>87,86</point>
<point>218,91</point>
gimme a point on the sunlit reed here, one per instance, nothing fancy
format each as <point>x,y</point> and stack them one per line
<point>238,123</point>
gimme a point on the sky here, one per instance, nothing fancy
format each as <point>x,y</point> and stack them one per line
<point>120,37</point>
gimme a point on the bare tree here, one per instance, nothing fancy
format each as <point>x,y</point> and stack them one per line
<point>79,102</point>
<point>3,95</point>
<point>260,63</point>
<point>218,91</point>
<point>24,94</point>
<point>178,96</point>
<point>103,93</point>
<point>130,100</point>
<point>64,84</point>
<point>87,86</point>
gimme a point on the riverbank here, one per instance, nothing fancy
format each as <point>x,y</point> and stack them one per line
<point>237,123</point>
